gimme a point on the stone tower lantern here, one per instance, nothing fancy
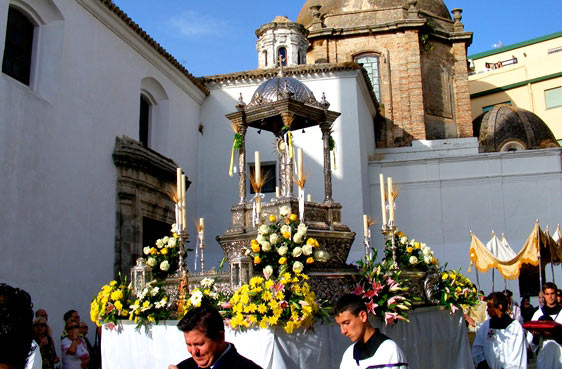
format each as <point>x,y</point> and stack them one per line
<point>281,38</point>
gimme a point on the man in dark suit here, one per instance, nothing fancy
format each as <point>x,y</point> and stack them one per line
<point>203,329</point>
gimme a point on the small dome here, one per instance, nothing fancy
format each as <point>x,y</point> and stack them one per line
<point>280,88</point>
<point>335,7</point>
<point>507,128</point>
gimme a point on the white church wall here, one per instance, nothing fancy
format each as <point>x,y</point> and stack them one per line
<point>59,180</point>
<point>442,198</point>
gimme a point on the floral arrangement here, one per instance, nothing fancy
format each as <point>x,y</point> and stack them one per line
<point>264,302</point>
<point>383,289</point>
<point>163,257</point>
<point>282,245</point>
<point>456,291</point>
<point>206,293</point>
<point>110,304</point>
<point>150,305</point>
<point>410,253</point>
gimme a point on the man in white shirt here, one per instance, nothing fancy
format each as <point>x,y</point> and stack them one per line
<point>500,341</point>
<point>547,343</point>
<point>371,349</point>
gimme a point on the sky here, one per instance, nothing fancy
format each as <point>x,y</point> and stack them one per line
<point>218,36</point>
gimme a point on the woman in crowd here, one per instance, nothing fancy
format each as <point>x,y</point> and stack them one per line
<point>42,335</point>
<point>73,348</point>
<point>527,310</point>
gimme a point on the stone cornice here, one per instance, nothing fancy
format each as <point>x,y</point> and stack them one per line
<point>130,32</point>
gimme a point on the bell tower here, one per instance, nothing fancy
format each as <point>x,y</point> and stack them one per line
<point>281,40</point>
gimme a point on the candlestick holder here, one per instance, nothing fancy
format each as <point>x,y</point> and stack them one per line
<point>183,286</point>
<point>388,231</point>
<point>202,248</point>
<point>367,243</point>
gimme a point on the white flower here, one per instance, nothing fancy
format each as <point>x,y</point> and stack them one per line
<point>172,242</point>
<point>284,211</point>
<point>428,259</point>
<point>423,245</point>
<point>196,298</point>
<point>174,228</point>
<point>302,228</point>
<point>307,249</point>
<point>267,271</point>
<point>260,238</point>
<point>145,308</point>
<point>297,267</point>
<point>248,252</point>
<point>426,252</point>
<point>165,239</point>
<point>266,246</point>
<point>159,244</point>
<point>297,251</point>
<point>207,282</point>
<point>160,304</point>
<point>151,262</point>
<point>164,265</point>
<point>213,295</point>
<point>285,228</point>
<point>134,307</point>
<point>404,240</point>
<point>154,291</point>
<point>263,229</point>
<point>413,260</point>
<point>282,250</point>
<point>146,250</point>
<point>274,238</point>
<point>297,238</point>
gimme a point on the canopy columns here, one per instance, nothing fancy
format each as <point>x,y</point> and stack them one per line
<point>326,129</point>
<point>242,165</point>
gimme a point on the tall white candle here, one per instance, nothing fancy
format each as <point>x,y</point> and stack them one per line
<point>277,193</point>
<point>309,197</point>
<point>183,203</point>
<point>365,225</point>
<point>178,193</point>
<point>383,203</point>
<point>299,164</point>
<point>257,167</point>
<point>390,201</point>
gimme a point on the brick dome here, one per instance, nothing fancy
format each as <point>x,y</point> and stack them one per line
<point>336,7</point>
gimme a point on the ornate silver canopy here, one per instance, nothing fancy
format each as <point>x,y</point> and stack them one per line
<point>280,88</point>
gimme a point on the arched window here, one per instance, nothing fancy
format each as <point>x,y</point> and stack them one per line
<point>18,47</point>
<point>371,64</point>
<point>144,120</point>
<point>282,53</point>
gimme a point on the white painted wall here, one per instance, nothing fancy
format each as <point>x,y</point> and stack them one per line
<point>57,136</point>
<point>448,191</point>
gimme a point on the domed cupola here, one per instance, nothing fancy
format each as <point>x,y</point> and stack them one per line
<point>281,40</point>
<point>508,128</point>
<point>280,88</point>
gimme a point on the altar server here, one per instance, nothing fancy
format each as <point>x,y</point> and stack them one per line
<point>547,343</point>
<point>500,341</point>
<point>371,349</point>
<point>203,330</point>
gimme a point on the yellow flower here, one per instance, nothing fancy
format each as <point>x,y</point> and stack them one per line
<point>269,283</point>
<point>310,260</point>
<point>289,327</point>
<point>164,250</point>
<point>293,217</point>
<point>287,235</point>
<point>253,319</point>
<point>312,242</point>
<point>266,296</point>
<point>152,251</point>
<point>112,283</point>
<point>257,259</point>
<point>118,305</point>
<point>117,295</point>
<point>255,247</point>
<point>146,304</point>
<point>444,276</point>
<point>253,242</point>
<point>263,323</point>
<point>282,260</point>
<point>409,250</point>
<point>400,234</point>
<point>262,309</point>
<point>272,218</point>
<point>151,318</point>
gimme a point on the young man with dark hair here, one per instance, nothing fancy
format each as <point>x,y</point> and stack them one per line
<point>16,328</point>
<point>371,348</point>
<point>500,341</point>
<point>203,329</point>
<point>547,343</point>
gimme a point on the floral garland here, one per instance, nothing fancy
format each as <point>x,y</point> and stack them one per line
<point>164,258</point>
<point>110,304</point>
<point>456,291</point>
<point>206,293</point>
<point>383,289</point>
<point>282,245</point>
<point>150,305</point>
<point>410,253</point>
<point>288,302</point>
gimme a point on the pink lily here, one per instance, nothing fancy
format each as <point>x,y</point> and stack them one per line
<point>371,306</point>
<point>358,290</point>
<point>390,317</point>
<point>454,309</point>
<point>394,300</point>
<point>369,294</point>
<point>377,287</point>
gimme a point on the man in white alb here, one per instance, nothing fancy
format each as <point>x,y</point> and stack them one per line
<point>547,344</point>
<point>500,342</point>
<point>371,349</point>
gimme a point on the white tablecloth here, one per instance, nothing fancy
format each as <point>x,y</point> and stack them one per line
<point>433,339</point>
